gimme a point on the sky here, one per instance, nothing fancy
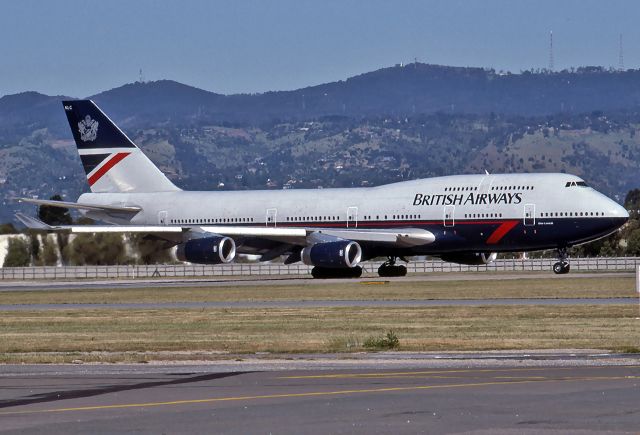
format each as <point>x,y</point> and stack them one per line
<point>79,48</point>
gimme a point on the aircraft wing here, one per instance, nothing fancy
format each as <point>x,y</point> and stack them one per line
<point>403,237</point>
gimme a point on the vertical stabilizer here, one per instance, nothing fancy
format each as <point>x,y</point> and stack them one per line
<point>113,163</point>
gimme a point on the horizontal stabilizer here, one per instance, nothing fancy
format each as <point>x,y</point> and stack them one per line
<point>90,207</point>
<point>33,223</point>
<point>36,224</point>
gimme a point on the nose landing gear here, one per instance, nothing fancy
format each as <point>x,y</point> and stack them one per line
<point>562,266</point>
<point>389,268</point>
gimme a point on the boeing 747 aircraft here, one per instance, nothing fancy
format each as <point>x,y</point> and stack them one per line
<point>466,219</point>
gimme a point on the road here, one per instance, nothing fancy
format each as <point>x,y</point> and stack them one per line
<point>494,399</point>
<point>320,304</point>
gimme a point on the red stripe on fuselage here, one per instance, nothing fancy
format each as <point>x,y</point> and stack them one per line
<point>105,168</point>
<point>501,231</point>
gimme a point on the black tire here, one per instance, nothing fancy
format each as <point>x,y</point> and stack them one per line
<point>561,267</point>
<point>391,271</point>
<point>402,271</point>
<point>558,269</point>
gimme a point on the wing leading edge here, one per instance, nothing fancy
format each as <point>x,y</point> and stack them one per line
<point>404,237</point>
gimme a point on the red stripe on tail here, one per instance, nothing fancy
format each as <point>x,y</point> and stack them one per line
<point>105,168</point>
<point>501,231</point>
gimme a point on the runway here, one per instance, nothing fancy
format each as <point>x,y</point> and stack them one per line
<point>504,398</point>
<point>230,281</point>
<point>321,304</point>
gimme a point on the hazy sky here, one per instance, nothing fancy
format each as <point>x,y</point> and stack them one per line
<point>79,48</point>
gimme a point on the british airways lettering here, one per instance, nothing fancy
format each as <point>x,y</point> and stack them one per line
<point>471,199</point>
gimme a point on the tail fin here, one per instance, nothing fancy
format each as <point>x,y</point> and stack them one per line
<point>113,163</point>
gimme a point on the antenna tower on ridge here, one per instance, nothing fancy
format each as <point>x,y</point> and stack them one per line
<point>551,50</point>
<point>620,55</point>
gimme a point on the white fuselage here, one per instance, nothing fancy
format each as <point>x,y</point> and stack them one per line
<point>548,204</point>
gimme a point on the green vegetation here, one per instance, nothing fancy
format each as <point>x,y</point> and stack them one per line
<point>18,253</point>
<point>54,215</point>
<point>97,249</point>
<point>371,129</point>
<point>49,252</point>
<point>208,333</point>
<point>539,287</point>
<point>142,335</point>
<point>388,341</point>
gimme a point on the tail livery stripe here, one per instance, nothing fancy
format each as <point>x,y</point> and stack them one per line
<point>105,168</point>
<point>500,232</point>
<point>92,161</point>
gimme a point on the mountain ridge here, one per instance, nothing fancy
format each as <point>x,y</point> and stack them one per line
<point>392,124</point>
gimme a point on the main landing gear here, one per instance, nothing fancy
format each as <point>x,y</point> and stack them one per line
<point>389,268</point>
<point>562,266</point>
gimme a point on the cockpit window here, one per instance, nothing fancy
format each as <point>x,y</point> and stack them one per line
<point>576,183</point>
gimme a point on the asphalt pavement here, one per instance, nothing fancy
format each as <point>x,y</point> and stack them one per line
<point>500,399</point>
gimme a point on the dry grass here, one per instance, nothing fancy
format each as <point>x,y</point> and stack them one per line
<point>123,334</point>
<point>604,287</point>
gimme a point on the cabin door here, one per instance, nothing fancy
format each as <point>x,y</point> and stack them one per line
<point>352,217</point>
<point>162,217</point>
<point>271,220</point>
<point>449,219</point>
<point>529,215</point>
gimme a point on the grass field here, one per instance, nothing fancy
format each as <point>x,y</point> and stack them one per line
<point>173,334</point>
<point>66,335</point>
<point>542,287</point>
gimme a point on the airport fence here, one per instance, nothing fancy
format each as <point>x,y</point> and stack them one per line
<point>267,269</point>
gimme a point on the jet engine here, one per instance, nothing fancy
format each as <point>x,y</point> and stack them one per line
<point>338,255</point>
<point>470,258</point>
<point>207,250</point>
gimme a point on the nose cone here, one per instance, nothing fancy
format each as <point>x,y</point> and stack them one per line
<point>618,212</point>
<point>617,215</point>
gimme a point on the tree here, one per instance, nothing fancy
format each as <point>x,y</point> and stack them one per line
<point>49,252</point>
<point>54,215</point>
<point>633,243</point>
<point>18,254</point>
<point>34,248</point>
<point>150,251</point>
<point>7,229</point>
<point>96,249</point>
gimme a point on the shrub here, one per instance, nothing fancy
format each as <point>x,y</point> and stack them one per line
<point>388,341</point>
<point>18,254</point>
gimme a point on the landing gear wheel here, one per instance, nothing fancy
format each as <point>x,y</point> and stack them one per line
<point>389,268</point>
<point>390,271</point>
<point>328,273</point>
<point>561,267</point>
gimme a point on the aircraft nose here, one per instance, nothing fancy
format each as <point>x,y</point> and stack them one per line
<point>619,211</point>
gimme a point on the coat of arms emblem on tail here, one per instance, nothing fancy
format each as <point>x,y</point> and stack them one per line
<point>88,129</point>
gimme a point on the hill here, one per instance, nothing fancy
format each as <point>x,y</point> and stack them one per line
<point>395,123</point>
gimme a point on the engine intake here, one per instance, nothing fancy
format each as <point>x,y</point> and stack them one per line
<point>208,250</point>
<point>470,258</point>
<point>339,254</point>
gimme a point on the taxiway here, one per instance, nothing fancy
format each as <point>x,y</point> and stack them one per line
<point>495,398</point>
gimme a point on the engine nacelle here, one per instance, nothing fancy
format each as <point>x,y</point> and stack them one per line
<point>339,254</point>
<point>470,258</point>
<point>208,250</point>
